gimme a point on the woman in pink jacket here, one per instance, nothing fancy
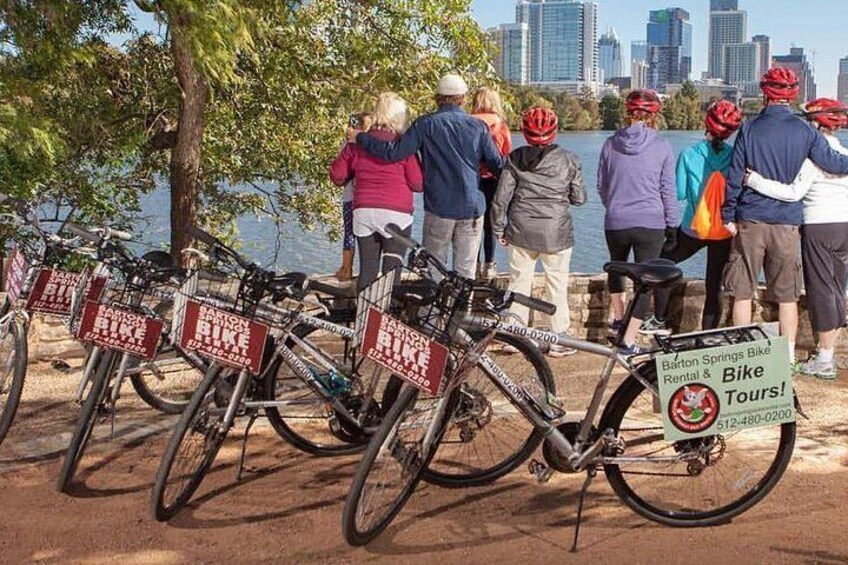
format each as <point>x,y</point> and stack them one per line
<point>383,193</point>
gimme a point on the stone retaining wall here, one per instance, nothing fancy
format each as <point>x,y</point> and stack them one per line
<point>588,300</point>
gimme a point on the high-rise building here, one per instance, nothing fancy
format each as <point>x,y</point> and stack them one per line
<point>797,61</point>
<point>728,25</point>
<point>638,51</point>
<point>842,88</point>
<point>765,53</point>
<point>669,47</point>
<point>563,39</point>
<point>639,75</point>
<point>609,56</point>
<point>742,65</point>
<point>512,57</point>
<point>724,5</point>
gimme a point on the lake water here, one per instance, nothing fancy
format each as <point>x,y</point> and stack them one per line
<point>313,252</point>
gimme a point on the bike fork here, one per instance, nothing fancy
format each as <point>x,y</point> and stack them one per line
<point>86,373</point>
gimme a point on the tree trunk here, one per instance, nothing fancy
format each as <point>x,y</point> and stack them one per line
<point>185,155</point>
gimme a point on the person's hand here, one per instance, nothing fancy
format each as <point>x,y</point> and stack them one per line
<point>351,134</point>
<point>731,227</point>
<point>502,240</point>
<point>670,239</point>
<point>745,178</point>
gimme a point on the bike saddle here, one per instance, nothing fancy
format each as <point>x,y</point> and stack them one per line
<point>653,273</point>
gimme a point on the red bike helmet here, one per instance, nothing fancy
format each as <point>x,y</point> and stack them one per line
<point>723,118</point>
<point>539,125</point>
<point>827,112</point>
<point>780,84</point>
<point>644,102</point>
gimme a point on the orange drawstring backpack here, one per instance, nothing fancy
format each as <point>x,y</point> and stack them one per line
<point>706,221</point>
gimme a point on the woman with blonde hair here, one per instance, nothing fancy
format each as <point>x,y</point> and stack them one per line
<point>383,193</point>
<point>487,107</point>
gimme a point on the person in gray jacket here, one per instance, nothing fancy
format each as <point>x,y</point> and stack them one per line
<point>531,215</point>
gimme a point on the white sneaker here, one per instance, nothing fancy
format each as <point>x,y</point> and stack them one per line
<point>557,351</point>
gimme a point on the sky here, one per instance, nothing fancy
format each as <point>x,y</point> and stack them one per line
<point>816,25</point>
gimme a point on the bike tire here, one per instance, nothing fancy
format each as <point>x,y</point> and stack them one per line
<point>180,382</point>
<point>508,439</point>
<point>86,421</point>
<point>646,492</point>
<point>193,419</point>
<point>10,397</point>
<point>383,448</point>
<point>301,431</point>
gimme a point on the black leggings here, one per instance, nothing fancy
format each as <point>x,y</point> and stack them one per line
<point>717,253</point>
<point>373,249</point>
<point>646,244</point>
<point>489,186</point>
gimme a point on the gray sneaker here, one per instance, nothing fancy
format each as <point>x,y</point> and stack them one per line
<point>815,367</point>
<point>561,350</point>
<point>654,326</point>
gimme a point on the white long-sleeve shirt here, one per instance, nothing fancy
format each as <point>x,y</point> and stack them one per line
<point>825,196</point>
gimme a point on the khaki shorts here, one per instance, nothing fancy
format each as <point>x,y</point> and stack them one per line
<point>772,248</point>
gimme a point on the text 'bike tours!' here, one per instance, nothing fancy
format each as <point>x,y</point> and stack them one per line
<point>710,391</point>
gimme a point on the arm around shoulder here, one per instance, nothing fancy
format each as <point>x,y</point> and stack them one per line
<point>826,157</point>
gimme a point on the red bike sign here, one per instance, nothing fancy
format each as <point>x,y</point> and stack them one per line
<point>233,340</point>
<point>16,271</point>
<point>406,352</point>
<point>53,291</point>
<point>116,328</point>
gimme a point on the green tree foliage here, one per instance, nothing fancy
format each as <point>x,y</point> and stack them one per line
<point>239,105</point>
<point>612,112</point>
<point>683,110</point>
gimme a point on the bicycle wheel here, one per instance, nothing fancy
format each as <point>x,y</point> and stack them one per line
<point>192,448</point>
<point>13,364</point>
<point>87,419</point>
<point>305,420</point>
<point>732,472</point>
<point>392,465</point>
<point>167,382</point>
<point>487,436</point>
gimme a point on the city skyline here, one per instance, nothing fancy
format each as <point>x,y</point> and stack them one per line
<point>786,23</point>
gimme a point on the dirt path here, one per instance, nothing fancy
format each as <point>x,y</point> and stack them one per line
<point>288,507</point>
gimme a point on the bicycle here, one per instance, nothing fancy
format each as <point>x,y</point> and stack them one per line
<point>125,325</point>
<point>317,393</point>
<point>656,478</point>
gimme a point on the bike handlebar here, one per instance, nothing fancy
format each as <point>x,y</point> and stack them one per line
<point>508,296</point>
<point>82,233</point>
<point>215,243</point>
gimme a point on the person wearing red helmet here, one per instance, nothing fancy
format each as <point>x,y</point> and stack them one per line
<point>767,231</point>
<point>699,167</point>
<point>531,214</point>
<point>824,236</point>
<point>636,186</point>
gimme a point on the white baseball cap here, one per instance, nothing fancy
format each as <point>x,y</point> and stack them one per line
<point>451,85</point>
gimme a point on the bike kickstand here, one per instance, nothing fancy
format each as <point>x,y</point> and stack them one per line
<point>590,475</point>
<point>240,466</point>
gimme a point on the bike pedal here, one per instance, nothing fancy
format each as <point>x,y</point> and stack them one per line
<point>540,471</point>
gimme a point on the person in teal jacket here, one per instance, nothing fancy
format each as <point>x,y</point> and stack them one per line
<point>694,167</point>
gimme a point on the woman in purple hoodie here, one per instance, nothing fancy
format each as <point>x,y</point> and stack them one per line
<point>637,187</point>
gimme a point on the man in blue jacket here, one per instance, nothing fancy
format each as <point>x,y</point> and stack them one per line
<point>775,144</point>
<point>452,145</point>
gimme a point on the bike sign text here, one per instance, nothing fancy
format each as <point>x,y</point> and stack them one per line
<point>716,390</point>
<point>406,352</point>
<point>16,271</point>
<point>116,328</point>
<point>233,340</point>
<point>53,291</point>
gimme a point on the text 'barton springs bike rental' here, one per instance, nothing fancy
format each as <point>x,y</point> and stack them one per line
<point>116,328</point>
<point>228,338</point>
<point>53,291</point>
<point>16,270</point>
<point>718,390</point>
<point>404,351</point>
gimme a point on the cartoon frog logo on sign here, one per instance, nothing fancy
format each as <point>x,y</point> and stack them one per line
<point>693,408</point>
